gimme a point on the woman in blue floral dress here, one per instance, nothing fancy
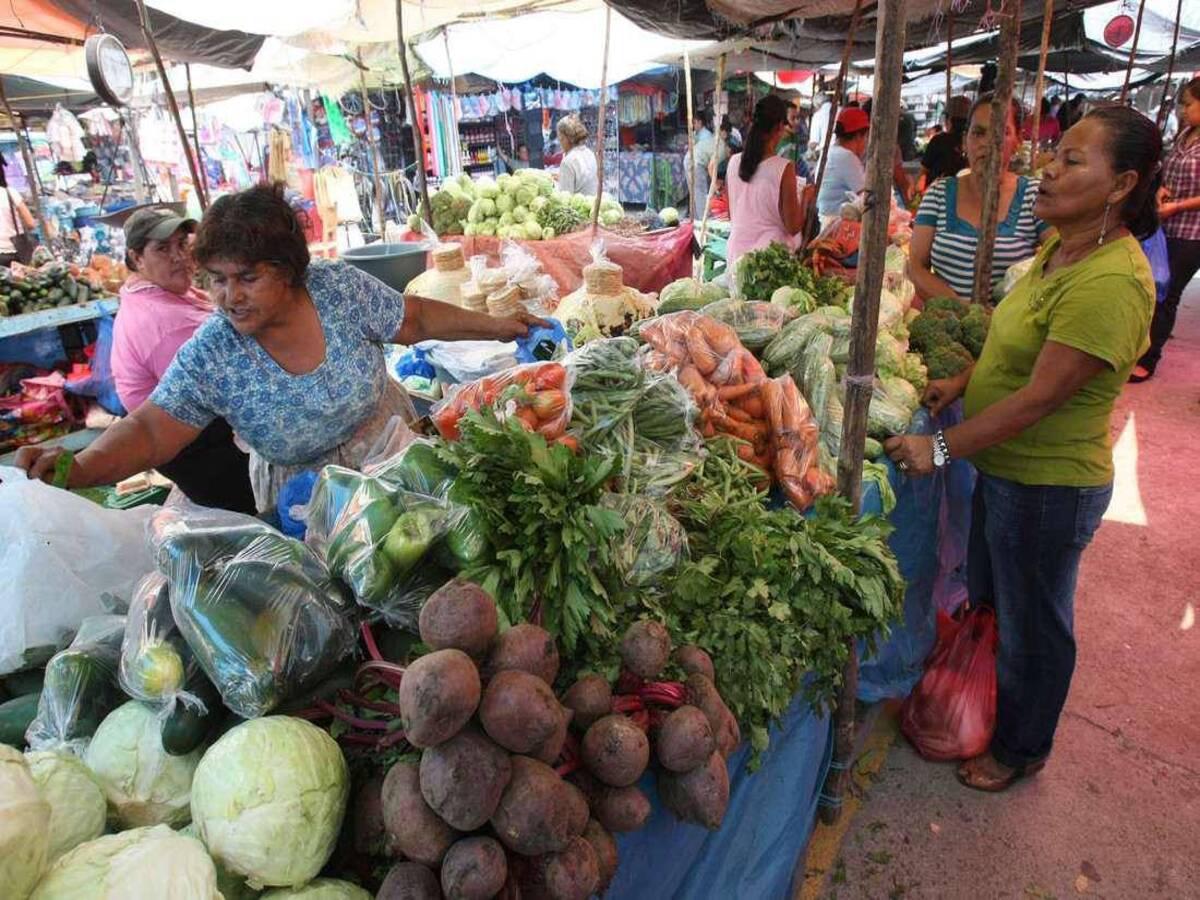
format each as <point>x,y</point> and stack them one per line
<point>294,361</point>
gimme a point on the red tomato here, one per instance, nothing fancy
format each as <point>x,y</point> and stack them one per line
<point>569,441</point>
<point>528,418</point>
<point>550,376</point>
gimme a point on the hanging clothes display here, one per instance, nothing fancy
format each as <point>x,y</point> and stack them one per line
<point>65,135</point>
<point>339,133</point>
<point>336,196</point>
<point>304,138</point>
<point>280,150</point>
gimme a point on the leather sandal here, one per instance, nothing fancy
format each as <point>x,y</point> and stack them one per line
<point>1140,374</point>
<point>970,776</point>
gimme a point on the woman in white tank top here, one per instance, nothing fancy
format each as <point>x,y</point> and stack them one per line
<point>764,205</point>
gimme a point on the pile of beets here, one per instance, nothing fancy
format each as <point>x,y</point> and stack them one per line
<point>518,791</point>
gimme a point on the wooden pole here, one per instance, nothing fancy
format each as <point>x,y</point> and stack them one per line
<point>142,186</point>
<point>600,122</point>
<point>1137,33</point>
<point>712,181</point>
<point>864,328</point>
<point>1006,74</point>
<point>376,168</point>
<point>193,163</point>
<point>691,172</point>
<point>1039,90</point>
<point>1162,109</point>
<point>833,110</point>
<point>187,70</point>
<point>418,134</point>
<point>35,194</point>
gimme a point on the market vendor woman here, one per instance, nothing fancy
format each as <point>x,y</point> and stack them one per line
<point>294,361</point>
<point>1038,401</point>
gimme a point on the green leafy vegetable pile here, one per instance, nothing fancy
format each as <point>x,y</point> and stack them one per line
<point>539,506</point>
<point>776,599</point>
<point>761,273</point>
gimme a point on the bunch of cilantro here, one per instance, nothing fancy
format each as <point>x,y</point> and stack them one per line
<point>539,507</point>
<point>775,598</point>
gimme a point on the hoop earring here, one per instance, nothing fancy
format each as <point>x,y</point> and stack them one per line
<point>1104,225</point>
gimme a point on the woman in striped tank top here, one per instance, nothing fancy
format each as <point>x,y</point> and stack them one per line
<point>945,238</point>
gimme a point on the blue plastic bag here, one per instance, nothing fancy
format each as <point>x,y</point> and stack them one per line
<point>542,344</point>
<point>415,362</point>
<point>99,382</point>
<point>296,491</point>
<point>1155,248</point>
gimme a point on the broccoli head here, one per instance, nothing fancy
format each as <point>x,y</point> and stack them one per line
<point>946,304</point>
<point>948,360</point>
<point>975,326</point>
<point>931,330</point>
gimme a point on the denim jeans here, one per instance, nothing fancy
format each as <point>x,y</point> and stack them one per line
<point>1184,256</point>
<point>1026,543</point>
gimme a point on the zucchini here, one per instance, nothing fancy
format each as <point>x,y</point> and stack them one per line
<point>186,728</point>
<point>15,718</point>
<point>27,681</point>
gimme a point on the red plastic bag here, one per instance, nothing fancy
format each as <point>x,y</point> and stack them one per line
<point>951,713</point>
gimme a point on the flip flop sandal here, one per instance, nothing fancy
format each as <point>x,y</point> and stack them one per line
<point>995,784</point>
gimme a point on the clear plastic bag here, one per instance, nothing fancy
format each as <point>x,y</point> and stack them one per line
<point>887,416</point>
<point>755,323</point>
<point>156,662</point>
<point>794,444</point>
<point>80,687</point>
<point>787,350</point>
<point>951,714</point>
<point>538,395</point>
<point>261,612</point>
<point>607,382</point>
<point>653,543</point>
<point>539,291</point>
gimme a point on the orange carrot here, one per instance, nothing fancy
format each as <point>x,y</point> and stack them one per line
<point>753,406</point>
<point>737,391</point>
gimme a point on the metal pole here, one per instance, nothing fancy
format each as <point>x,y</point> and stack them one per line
<point>949,56</point>
<point>833,109</point>
<point>376,171</point>
<point>691,172</point>
<point>172,105</point>
<point>1010,40</point>
<point>1137,33</point>
<point>712,181</point>
<point>27,157</point>
<point>187,70</point>
<point>427,214</point>
<point>1039,90</point>
<point>601,121</point>
<point>457,155</point>
<point>864,327</point>
<point>1162,109</point>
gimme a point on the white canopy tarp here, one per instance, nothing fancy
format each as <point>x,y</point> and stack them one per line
<point>568,46</point>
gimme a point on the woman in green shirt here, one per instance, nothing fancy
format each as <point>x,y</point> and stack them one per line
<point>1037,403</point>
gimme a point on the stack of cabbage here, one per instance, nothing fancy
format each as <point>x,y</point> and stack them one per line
<point>524,206</point>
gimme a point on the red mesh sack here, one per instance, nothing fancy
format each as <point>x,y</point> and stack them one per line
<point>951,713</point>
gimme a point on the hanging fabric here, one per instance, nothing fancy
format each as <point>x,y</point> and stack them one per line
<point>280,149</point>
<point>339,132</point>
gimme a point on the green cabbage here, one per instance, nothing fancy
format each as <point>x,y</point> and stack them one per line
<point>24,826</point>
<point>320,889</point>
<point>268,800</point>
<point>669,215</point>
<point>144,784</point>
<point>688,293</point>
<point>140,864</point>
<point>78,809</point>
<point>231,885</point>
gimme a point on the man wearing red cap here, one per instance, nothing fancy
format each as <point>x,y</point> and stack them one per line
<point>845,175</point>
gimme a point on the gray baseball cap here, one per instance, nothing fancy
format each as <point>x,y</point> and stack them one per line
<point>154,224</point>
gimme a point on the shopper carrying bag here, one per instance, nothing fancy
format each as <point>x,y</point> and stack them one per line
<point>16,229</point>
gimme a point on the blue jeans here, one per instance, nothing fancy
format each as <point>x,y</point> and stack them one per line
<point>1023,558</point>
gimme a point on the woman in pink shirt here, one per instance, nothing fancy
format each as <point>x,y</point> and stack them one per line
<point>764,205</point>
<point>160,310</point>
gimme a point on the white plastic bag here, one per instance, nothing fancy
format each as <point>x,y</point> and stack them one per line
<point>60,555</point>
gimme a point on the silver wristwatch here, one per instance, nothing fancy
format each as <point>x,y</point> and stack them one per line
<point>941,451</point>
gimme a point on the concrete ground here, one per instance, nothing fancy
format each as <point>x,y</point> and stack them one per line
<point>1116,813</point>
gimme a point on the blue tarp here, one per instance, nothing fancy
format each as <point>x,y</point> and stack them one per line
<point>755,853</point>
